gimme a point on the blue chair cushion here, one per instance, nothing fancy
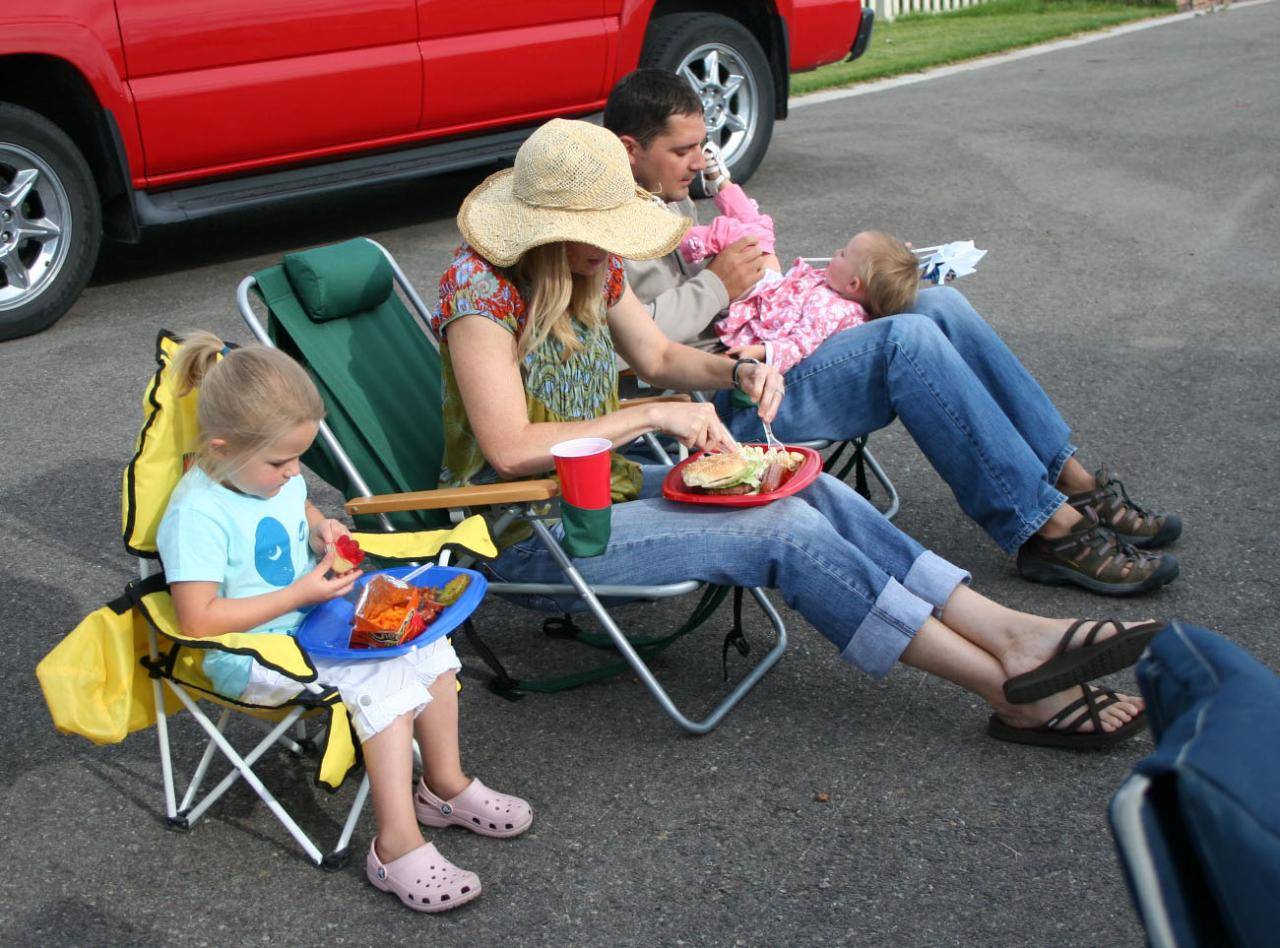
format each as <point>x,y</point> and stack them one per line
<point>339,280</point>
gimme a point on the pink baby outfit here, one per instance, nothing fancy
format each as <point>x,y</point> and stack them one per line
<point>739,217</point>
<point>791,314</point>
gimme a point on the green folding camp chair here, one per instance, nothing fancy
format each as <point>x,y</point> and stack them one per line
<point>375,361</point>
<point>129,665</point>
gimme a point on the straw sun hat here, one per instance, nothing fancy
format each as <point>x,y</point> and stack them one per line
<point>571,181</point>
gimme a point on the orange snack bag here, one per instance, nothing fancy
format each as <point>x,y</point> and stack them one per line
<point>391,613</point>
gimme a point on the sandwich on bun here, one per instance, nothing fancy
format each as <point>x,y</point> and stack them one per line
<point>728,473</point>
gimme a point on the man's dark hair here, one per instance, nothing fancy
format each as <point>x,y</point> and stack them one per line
<point>641,103</point>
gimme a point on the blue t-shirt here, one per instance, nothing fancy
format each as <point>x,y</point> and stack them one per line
<point>245,544</point>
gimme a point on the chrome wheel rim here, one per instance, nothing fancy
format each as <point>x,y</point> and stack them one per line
<point>35,226</point>
<point>729,94</point>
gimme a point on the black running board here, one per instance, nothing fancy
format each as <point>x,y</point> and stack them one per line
<point>219,197</point>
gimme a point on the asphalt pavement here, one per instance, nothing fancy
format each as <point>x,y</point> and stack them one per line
<point>1126,191</point>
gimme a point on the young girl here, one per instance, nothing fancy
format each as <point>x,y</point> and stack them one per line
<point>240,542</point>
<point>786,316</point>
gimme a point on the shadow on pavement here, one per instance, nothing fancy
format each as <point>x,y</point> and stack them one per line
<point>297,223</point>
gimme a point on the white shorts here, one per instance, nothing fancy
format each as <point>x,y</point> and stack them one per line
<point>376,691</point>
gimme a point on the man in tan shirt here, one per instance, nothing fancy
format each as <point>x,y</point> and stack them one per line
<point>984,423</point>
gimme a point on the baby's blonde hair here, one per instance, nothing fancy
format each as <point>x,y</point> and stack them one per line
<point>556,297</point>
<point>250,398</point>
<point>891,274</point>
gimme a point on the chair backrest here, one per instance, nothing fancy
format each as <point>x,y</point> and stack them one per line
<point>164,449</point>
<point>336,311</point>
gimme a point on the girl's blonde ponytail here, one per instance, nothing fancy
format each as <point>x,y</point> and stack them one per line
<point>199,354</point>
<point>249,399</point>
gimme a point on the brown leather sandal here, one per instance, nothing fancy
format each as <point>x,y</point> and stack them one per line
<point>1093,556</point>
<point>1091,658</point>
<point>1063,730</point>
<point>1133,524</point>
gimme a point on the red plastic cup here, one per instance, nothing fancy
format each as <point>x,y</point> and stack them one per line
<point>583,466</point>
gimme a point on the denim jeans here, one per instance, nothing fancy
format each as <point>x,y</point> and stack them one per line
<point>979,417</point>
<point>853,575</point>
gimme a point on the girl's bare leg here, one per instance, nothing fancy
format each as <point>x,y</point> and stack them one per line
<point>388,760</point>
<point>437,731</point>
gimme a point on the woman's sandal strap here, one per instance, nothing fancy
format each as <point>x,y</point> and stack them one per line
<point>1094,700</point>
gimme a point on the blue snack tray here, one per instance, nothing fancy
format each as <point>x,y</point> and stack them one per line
<point>327,628</point>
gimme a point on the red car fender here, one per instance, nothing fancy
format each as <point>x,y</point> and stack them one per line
<point>92,48</point>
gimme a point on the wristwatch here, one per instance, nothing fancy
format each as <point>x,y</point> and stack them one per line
<point>737,365</point>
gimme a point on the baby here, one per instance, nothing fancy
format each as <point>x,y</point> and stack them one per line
<point>786,316</point>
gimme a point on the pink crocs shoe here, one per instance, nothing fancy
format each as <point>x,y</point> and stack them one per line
<point>478,808</point>
<point>423,879</point>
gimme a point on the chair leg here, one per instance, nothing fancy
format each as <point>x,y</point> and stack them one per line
<point>637,663</point>
<point>879,474</point>
<point>202,768</point>
<point>1126,818</point>
<point>338,857</point>
<point>244,768</point>
<point>162,735</point>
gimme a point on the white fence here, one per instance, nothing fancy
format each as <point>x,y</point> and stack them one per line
<point>892,9</point>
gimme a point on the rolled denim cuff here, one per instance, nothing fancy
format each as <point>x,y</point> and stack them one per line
<point>933,579</point>
<point>888,628</point>
<point>1055,469</point>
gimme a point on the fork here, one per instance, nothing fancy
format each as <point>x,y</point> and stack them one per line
<point>769,438</point>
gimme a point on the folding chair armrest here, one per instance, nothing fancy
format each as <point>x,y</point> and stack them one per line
<point>444,498</point>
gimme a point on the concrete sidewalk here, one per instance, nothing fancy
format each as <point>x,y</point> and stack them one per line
<point>1127,193</point>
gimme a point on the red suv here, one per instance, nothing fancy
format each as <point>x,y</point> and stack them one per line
<point>119,114</point>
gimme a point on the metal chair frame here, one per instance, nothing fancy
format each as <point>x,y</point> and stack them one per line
<point>534,516</point>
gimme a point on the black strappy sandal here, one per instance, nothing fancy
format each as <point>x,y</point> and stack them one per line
<point>1070,737</point>
<point>1091,660</point>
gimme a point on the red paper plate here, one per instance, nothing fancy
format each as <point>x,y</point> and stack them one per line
<point>673,486</point>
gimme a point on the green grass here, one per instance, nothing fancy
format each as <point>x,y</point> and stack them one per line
<point>915,42</point>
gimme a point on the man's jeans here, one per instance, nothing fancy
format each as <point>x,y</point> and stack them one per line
<point>978,415</point>
<point>857,578</point>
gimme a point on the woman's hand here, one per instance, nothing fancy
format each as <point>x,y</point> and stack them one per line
<point>694,424</point>
<point>325,533</point>
<point>748,352</point>
<point>318,586</point>
<point>763,385</point>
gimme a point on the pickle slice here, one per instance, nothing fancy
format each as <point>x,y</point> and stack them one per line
<point>452,590</point>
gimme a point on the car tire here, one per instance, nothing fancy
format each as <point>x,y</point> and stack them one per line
<point>698,45</point>
<point>50,222</point>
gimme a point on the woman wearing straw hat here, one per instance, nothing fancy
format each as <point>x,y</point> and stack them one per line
<point>529,316</point>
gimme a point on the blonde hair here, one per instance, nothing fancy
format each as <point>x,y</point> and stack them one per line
<point>556,298</point>
<point>250,398</point>
<point>891,274</point>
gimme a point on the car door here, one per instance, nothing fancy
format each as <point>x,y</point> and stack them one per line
<point>491,62</point>
<point>223,86</point>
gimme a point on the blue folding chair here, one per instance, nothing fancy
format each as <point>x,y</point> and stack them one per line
<point>1198,823</point>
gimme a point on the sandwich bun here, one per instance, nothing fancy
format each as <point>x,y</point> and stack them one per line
<point>713,470</point>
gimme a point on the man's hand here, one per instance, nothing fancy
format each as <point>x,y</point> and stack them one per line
<point>739,266</point>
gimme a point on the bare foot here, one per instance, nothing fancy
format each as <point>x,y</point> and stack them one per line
<point>1036,639</point>
<point>1040,713</point>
